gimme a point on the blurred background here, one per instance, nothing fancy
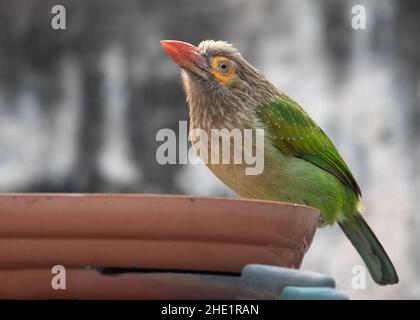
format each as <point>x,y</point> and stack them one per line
<point>80,108</point>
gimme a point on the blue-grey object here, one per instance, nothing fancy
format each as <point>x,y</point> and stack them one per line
<point>296,293</point>
<point>271,280</point>
<point>256,281</point>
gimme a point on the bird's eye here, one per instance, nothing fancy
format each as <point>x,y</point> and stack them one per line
<point>223,66</point>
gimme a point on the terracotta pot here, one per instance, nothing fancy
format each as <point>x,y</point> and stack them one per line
<point>89,284</point>
<point>38,231</point>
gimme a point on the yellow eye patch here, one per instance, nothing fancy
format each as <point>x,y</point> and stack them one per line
<point>223,70</point>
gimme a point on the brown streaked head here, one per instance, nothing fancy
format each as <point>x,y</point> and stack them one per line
<point>217,79</point>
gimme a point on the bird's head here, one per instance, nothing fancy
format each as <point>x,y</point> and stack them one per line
<point>217,79</point>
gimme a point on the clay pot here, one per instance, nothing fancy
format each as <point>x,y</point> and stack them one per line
<point>153,232</point>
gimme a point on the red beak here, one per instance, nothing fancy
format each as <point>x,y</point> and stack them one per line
<point>185,55</point>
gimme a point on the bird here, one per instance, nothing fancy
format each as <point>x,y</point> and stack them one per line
<point>301,164</point>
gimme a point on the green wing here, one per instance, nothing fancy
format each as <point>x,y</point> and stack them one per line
<point>296,134</point>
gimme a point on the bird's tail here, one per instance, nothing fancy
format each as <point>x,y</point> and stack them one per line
<point>370,249</point>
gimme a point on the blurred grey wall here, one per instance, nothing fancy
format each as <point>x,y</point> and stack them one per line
<point>80,108</point>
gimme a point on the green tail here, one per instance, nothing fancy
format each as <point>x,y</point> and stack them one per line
<point>370,249</point>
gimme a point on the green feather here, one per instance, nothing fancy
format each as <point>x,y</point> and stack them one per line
<point>370,249</point>
<point>295,134</point>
